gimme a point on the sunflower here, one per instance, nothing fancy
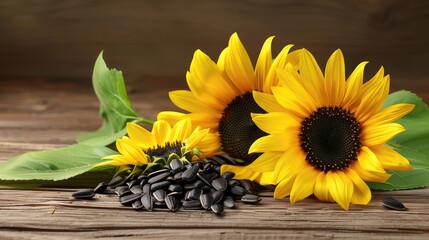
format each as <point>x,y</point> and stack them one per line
<point>142,149</point>
<point>220,96</point>
<point>327,135</point>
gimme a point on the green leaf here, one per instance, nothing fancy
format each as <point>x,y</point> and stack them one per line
<point>54,165</point>
<point>115,107</point>
<point>412,144</point>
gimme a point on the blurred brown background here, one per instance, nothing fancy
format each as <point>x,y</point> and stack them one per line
<point>59,40</point>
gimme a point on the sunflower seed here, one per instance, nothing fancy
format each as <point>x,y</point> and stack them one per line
<point>228,202</point>
<point>125,200</point>
<point>217,208</point>
<point>217,159</point>
<point>190,173</point>
<point>122,190</point>
<point>158,172</point>
<point>192,205</point>
<point>250,198</point>
<point>147,201</point>
<point>172,202</point>
<point>202,176</point>
<point>143,182</point>
<point>159,195</point>
<point>207,167</point>
<point>233,183</point>
<point>212,176</point>
<point>220,184</point>
<point>228,175</point>
<point>248,185</point>
<point>159,185</point>
<point>146,188</point>
<point>206,201</point>
<point>176,165</point>
<point>101,187</point>
<point>136,189</point>
<point>117,181</point>
<point>158,177</point>
<point>217,196</point>
<point>86,193</point>
<point>237,190</point>
<point>137,204</point>
<point>193,185</point>
<point>132,183</point>
<point>141,177</point>
<point>393,204</point>
<point>217,169</point>
<point>175,188</point>
<point>193,194</point>
<point>178,176</point>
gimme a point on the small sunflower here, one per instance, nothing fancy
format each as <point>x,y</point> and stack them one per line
<point>142,149</point>
<point>327,135</point>
<point>220,96</point>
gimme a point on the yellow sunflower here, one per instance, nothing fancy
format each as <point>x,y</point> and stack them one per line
<point>220,96</point>
<point>141,148</point>
<point>327,134</point>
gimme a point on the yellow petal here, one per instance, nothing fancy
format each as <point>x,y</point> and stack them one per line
<point>288,99</point>
<point>321,190</point>
<point>161,131</point>
<point>188,102</point>
<point>205,120</point>
<point>361,191</point>
<point>368,160</point>
<point>390,159</point>
<point>312,77</point>
<point>293,57</point>
<point>196,138</point>
<point>340,188</point>
<point>140,136</point>
<point>335,76</point>
<point>277,122</point>
<point>353,87</point>
<point>369,176</point>
<point>263,64</point>
<point>238,66</point>
<point>290,163</point>
<point>304,184</point>
<point>266,178</point>
<point>200,91</point>
<point>370,83</point>
<point>241,172</point>
<point>284,188</point>
<point>127,148</point>
<point>373,99</point>
<point>181,130</point>
<point>278,142</point>
<point>205,74</point>
<point>267,102</point>
<point>280,62</point>
<point>389,114</point>
<point>221,60</point>
<point>171,117</point>
<point>209,145</point>
<point>266,162</point>
<point>380,134</point>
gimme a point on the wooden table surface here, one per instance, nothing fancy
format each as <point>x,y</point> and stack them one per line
<point>42,114</point>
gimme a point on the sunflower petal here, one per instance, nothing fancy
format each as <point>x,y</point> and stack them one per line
<point>161,131</point>
<point>238,66</point>
<point>241,172</point>
<point>373,99</point>
<point>266,162</point>
<point>171,117</point>
<point>196,137</point>
<point>368,160</point>
<point>290,163</point>
<point>267,102</point>
<point>361,191</point>
<point>181,130</point>
<point>311,76</point>
<point>140,136</point>
<point>188,102</point>
<point>321,189</point>
<point>221,60</point>
<point>265,178</point>
<point>390,159</point>
<point>304,184</point>
<point>277,122</point>
<point>380,134</point>
<point>340,188</point>
<point>280,62</point>
<point>277,142</point>
<point>353,87</point>
<point>284,188</point>
<point>369,176</point>
<point>263,64</point>
<point>335,76</point>
<point>389,114</point>
<point>289,99</point>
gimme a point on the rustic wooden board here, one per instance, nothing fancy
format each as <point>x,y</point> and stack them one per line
<point>44,114</point>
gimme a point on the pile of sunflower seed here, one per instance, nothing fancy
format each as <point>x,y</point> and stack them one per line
<point>190,186</point>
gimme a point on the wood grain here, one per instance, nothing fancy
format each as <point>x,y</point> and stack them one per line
<point>61,39</point>
<point>45,114</point>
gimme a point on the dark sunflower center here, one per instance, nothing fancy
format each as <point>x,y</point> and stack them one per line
<point>237,130</point>
<point>165,151</point>
<point>330,137</point>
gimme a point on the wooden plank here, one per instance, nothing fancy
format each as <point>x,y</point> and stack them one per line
<point>61,39</point>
